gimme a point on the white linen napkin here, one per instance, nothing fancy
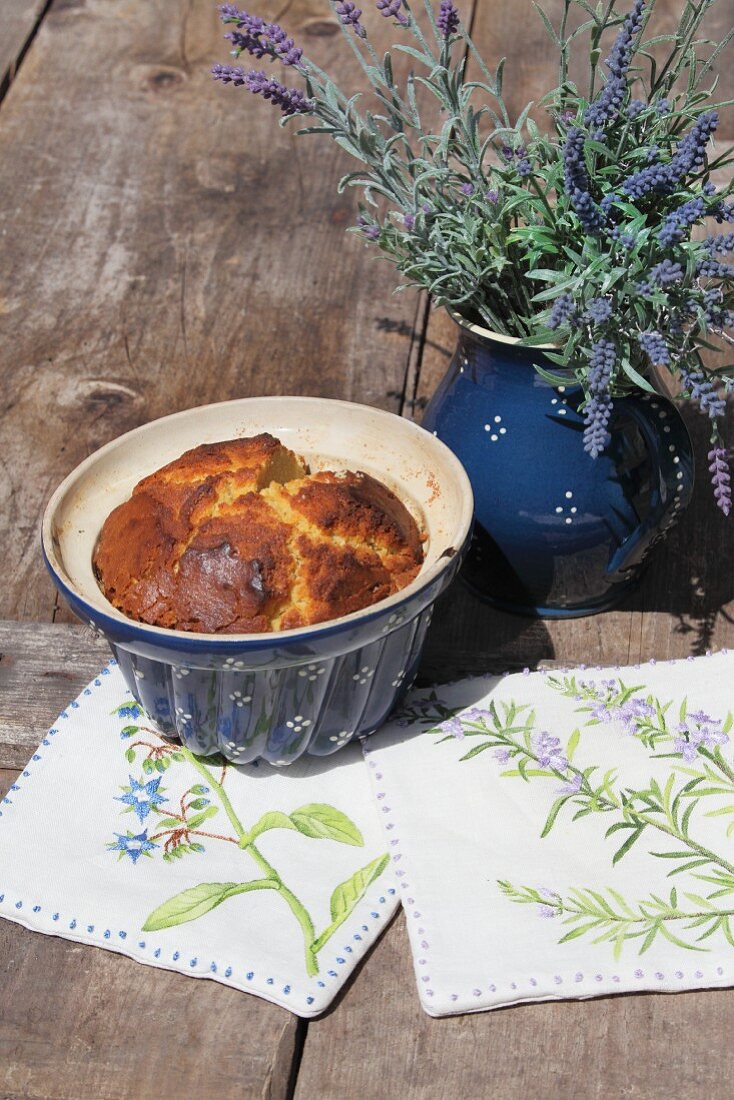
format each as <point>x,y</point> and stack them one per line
<point>564,834</point>
<point>274,881</point>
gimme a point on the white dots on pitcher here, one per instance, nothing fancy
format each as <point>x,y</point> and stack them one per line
<point>560,508</point>
<point>493,428</point>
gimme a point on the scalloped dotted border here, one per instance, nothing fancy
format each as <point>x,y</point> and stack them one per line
<point>523,989</point>
<point>87,931</point>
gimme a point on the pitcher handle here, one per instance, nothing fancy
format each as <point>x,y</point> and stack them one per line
<point>671,455</point>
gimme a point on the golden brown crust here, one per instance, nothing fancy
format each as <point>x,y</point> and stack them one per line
<point>233,538</point>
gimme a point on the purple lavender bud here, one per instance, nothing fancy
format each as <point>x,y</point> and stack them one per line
<point>635,109</point>
<point>283,47</point>
<point>599,405</point>
<point>371,232</point>
<point>492,196</point>
<point>700,389</point>
<point>524,168</point>
<point>714,269</point>
<point>608,103</point>
<point>229,74</point>
<point>409,221</point>
<point>713,310</point>
<point>260,39</point>
<point>467,189</point>
<point>447,19</point>
<point>677,225</point>
<point>230,12</point>
<point>689,156</point>
<point>662,106</point>
<point>598,311</point>
<point>723,212</point>
<point>661,275</point>
<point>290,100</point>
<point>709,188</point>
<point>392,9</point>
<point>349,14</point>
<point>691,153</point>
<point>654,346</point>
<point>563,312</point>
<point>507,152</point>
<point>720,478</point>
<point>427,208</point>
<point>576,179</point>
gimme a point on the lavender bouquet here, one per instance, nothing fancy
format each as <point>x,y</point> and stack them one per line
<point>573,227</point>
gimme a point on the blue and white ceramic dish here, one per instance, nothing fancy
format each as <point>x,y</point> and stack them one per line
<point>270,696</point>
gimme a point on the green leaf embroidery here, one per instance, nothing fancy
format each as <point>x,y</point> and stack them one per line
<point>347,896</point>
<point>272,820</point>
<point>197,900</point>
<point>324,822</point>
<point>348,893</point>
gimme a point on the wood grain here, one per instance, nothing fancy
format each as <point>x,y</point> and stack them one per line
<point>43,666</point>
<point>167,245</point>
<point>80,1023</point>
<point>378,1043</point>
<point>18,20</point>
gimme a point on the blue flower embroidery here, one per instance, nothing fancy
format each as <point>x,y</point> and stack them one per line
<point>142,797</point>
<point>133,846</point>
<point>130,710</point>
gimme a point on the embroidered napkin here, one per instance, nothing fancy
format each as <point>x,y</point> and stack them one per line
<point>564,834</point>
<point>271,881</point>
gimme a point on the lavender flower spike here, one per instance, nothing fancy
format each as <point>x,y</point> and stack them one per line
<point>599,406</point>
<point>290,100</point>
<point>577,184</point>
<point>607,105</point>
<point>392,9</point>
<point>258,38</point>
<point>720,478</point>
<point>350,15</point>
<point>447,19</point>
<point>700,389</point>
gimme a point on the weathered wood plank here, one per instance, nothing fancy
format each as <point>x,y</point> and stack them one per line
<point>379,1043</point>
<point>18,20</point>
<point>42,667</point>
<point>184,249</point>
<point>83,1022</point>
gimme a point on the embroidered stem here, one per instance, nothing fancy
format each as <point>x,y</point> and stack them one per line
<point>247,844</point>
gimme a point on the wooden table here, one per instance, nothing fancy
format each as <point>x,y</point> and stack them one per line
<point>164,245</point>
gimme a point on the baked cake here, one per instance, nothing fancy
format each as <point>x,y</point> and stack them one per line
<point>238,537</point>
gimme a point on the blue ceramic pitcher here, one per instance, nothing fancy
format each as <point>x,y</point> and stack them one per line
<point>557,533</point>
